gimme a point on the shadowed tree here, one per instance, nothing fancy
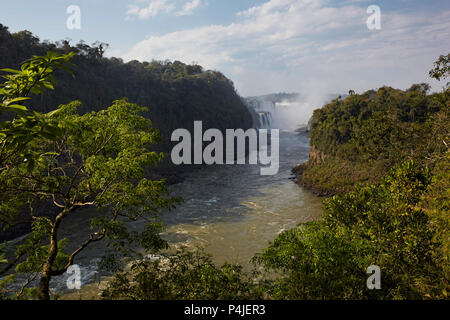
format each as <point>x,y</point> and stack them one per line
<point>98,159</point>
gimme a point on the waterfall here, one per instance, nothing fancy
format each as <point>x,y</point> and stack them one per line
<point>265,119</point>
<point>286,111</point>
<point>262,111</point>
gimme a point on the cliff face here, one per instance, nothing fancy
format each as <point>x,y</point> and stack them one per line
<point>306,173</point>
<point>315,155</point>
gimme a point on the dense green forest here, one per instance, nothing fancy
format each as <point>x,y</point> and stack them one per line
<point>358,139</point>
<point>384,154</point>
<point>175,93</point>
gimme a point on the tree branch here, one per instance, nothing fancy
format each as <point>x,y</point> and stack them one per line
<point>91,239</point>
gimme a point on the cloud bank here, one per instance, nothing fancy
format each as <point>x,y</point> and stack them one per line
<point>282,44</point>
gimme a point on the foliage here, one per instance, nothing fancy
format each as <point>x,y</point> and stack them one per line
<point>399,222</point>
<point>386,124</point>
<point>381,225</point>
<point>35,76</point>
<point>183,276</point>
<point>441,68</point>
<point>372,132</point>
<point>96,159</point>
<point>332,175</point>
<point>436,203</point>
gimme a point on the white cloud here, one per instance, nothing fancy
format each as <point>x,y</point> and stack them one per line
<point>279,44</point>
<point>189,8</point>
<point>270,29</point>
<point>152,9</point>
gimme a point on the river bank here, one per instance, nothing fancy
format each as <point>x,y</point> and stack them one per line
<point>326,176</point>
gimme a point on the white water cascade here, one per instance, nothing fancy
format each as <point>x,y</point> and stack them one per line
<point>262,110</point>
<point>285,111</point>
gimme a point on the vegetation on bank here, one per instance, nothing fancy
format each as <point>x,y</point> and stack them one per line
<point>386,225</point>
<point>185,275</point>
<point>397,218</point>
<point>385,154</point>
<point>360,138</point>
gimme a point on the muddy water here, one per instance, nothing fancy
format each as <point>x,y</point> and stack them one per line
<point>231,211</point>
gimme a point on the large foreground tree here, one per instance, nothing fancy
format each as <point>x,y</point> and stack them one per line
<point>97,159</point>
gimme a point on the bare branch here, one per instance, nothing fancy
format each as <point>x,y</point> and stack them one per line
<point>55,202</point>
<point>18,294</point>
<point>94,237</point>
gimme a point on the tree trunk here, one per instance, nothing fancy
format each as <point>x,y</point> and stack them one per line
<point>46,274</point>
<point>44,283</point>
<point>44,287</point>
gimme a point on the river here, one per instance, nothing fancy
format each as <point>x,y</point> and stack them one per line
<point>230,210</point>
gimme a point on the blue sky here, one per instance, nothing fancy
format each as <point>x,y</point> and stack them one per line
<point>262,45</point>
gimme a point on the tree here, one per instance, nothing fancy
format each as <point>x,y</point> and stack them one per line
<point>185,276</point>
<point>26,125</point>
<point>34,77</point>
<point>98,159</point>
<point>441,68</point>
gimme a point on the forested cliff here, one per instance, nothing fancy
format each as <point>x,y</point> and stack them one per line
<point>359,138</point>
<point>175,93</point>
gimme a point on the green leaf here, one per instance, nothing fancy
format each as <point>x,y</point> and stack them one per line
<point>7,102</point>
<point>48,85</point>
<point>52,113</point>
<point>17,109</point>
<point>10,70</point>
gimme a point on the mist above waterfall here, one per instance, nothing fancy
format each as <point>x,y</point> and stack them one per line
<point>288,111</point>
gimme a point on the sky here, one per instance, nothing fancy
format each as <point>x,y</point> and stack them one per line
<point>263,46</point>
